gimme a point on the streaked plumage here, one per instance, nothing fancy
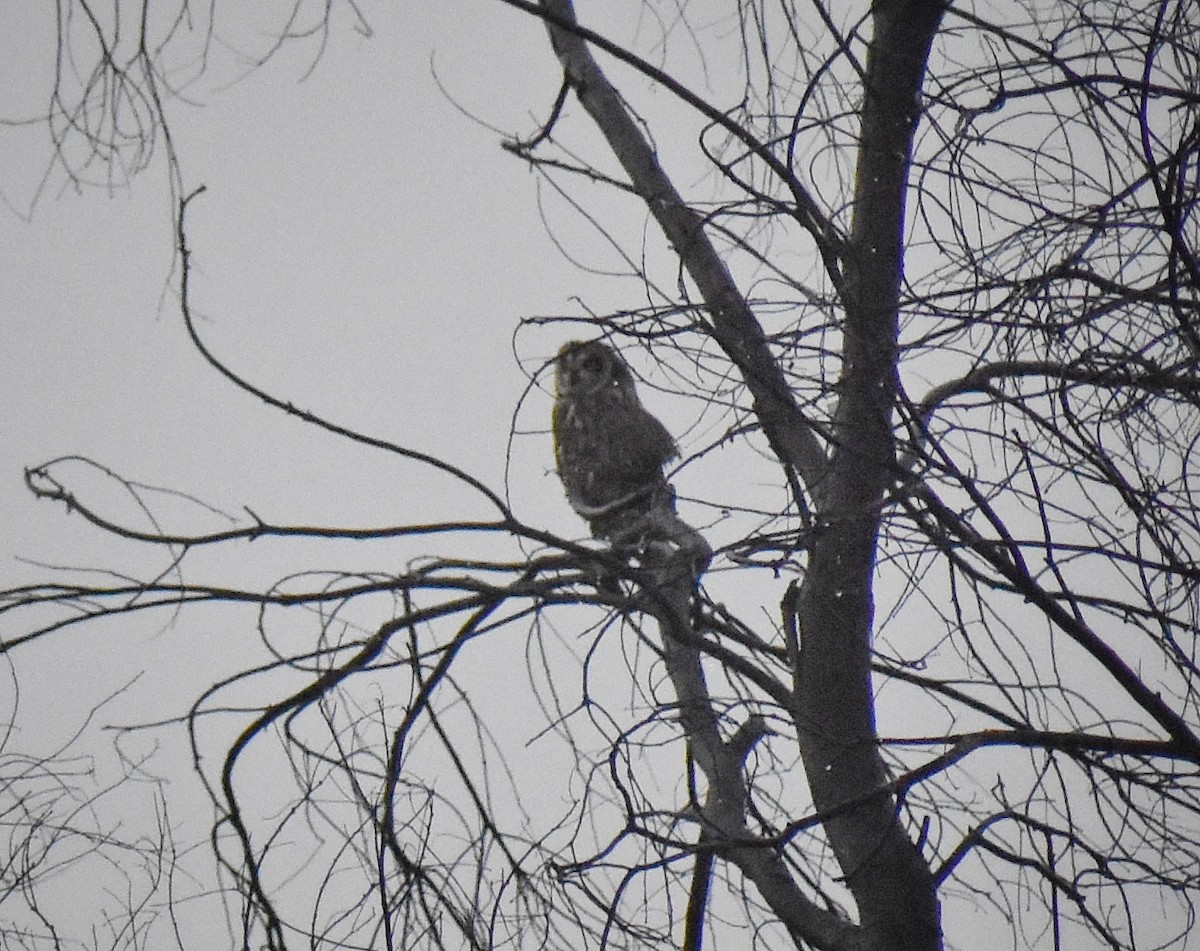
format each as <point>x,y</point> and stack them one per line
<point>608,448</point>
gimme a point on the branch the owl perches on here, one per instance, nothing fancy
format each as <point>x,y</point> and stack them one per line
<point>610,453</point>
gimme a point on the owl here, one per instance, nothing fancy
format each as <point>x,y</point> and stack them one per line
<point>609,450</point>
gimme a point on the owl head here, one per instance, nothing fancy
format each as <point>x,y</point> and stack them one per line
<point>585,367</point>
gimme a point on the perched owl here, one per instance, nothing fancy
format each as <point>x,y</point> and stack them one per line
<point>610,451</point>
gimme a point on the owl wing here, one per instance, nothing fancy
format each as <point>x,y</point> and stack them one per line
<point>645,441</point>
<point>635,446</point>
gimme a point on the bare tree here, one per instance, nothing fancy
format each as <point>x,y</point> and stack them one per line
<point>56,836</point>
<point>939,291</point>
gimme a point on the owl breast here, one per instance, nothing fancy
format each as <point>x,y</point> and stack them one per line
<point>608,447</point>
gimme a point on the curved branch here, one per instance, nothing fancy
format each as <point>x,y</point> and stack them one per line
<point>441,465</point>
<point>981,379</point>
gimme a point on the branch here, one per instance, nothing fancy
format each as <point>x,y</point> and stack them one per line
<point>441,465</point>
<point>734,325</point>
<point>560,15</point>
<point>1005,559</point>
<point>723,816</point>
<point>981,379</point>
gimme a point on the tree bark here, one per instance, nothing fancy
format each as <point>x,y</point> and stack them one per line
<point>891,882</point>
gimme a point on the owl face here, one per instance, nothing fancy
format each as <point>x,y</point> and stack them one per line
<point>585,367</point>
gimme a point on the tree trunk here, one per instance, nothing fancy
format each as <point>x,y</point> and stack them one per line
<point>891,882</point>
